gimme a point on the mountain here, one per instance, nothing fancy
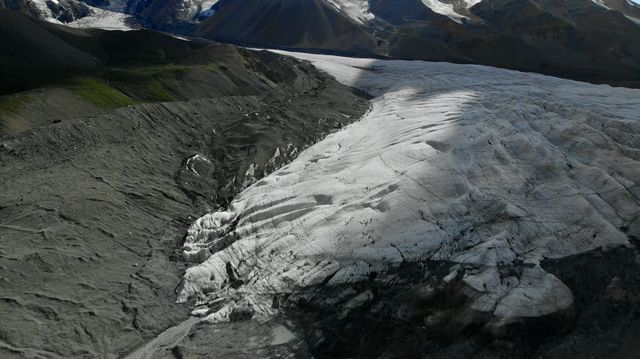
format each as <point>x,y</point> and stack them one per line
<point>576,39</point>
<point>312,24</point>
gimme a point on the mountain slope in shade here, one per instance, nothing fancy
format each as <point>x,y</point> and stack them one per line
<point>288,23</point>
<point>35,53</point>
<point>577,39</point>
<point>31,51</point>
<point>627,7</point>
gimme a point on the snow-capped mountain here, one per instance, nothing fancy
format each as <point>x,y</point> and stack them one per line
<point>171,15</point>
<point>581,39</point>
<point>355,9</point>
<point>116,14</point>
<point>460,10</point>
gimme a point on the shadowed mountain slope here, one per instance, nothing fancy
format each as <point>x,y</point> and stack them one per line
<point>576,39</point>
<point>289,23</point>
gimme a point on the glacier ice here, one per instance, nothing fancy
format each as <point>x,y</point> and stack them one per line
<point>461,163</point>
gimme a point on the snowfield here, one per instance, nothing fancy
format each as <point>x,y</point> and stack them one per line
<point>469,164</point>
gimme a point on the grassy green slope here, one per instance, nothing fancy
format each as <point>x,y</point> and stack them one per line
<point>50,73</point>
<point>35,54</point>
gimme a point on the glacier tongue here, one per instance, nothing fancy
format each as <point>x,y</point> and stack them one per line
<point>458,163</point>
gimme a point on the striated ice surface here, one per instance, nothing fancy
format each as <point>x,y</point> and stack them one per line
<point>462,163</point>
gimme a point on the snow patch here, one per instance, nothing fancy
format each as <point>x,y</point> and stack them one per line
<point>357,10</point>
<point>470,3</point>
<point>446,9</point>
<point>198,8</point>
<point>601,3</point>
<point>634,19</point>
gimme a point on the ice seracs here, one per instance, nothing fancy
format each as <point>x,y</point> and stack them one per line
<point>445,9</point>
<point>104,19</point>
<point>358,10</point>
<point>112,17</point>
<point>480,167</point>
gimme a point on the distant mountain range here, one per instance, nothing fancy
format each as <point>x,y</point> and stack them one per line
<point>157,14</point>
<point>590,40</point>
<point>578,39</point>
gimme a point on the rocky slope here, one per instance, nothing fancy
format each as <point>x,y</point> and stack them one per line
<point>446,222</point>
<point>103,169</point>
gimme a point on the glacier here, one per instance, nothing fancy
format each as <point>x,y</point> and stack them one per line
<point>475,166</point>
